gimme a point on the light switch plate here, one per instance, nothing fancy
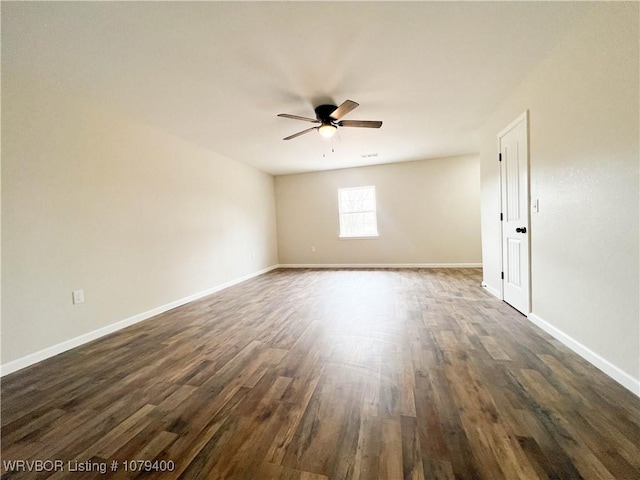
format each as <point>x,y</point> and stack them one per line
<point>78,296</point>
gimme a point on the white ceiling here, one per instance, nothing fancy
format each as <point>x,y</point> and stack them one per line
<point>217,73</point>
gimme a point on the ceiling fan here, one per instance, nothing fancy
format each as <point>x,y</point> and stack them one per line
<point>328,116</point>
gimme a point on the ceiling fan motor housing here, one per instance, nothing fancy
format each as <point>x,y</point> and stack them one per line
<point>323,113</point>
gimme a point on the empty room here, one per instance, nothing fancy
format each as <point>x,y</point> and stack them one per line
<point>320,240</point>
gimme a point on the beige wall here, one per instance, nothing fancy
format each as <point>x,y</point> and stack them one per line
<point>428,212</point>
<point>584,110</point>
<point>135,217</point>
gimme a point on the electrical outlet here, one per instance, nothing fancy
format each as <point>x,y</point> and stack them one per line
<point>77,296</point>
<point>313,249</point>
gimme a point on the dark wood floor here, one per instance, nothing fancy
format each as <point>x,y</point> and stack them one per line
<point>331,374</point>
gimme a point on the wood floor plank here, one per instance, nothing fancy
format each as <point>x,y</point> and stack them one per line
<point>411,451</point>
<point>390,460</point>
<point>366,462</point>
<point>296,405</point>
<point>329,374</point>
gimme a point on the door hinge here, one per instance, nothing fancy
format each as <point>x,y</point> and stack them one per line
<point>502,275</point>
<point>500,157</point>
<point>500,216</point>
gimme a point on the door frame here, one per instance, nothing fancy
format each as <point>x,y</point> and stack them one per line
<point>523,117</point>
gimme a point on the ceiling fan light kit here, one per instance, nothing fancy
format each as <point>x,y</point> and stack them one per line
<point>327,130</point>
<point>328,116</point>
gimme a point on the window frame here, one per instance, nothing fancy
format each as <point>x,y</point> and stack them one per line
<point>341,223</point>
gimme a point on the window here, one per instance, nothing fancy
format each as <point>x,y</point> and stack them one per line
<point>357,209</point>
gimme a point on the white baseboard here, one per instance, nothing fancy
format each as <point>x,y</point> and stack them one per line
<point>623,378</point>
<point>492,291</point>
<point>48,352</point>
<point>380,265</point>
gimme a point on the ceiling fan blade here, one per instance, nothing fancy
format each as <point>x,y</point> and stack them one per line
<point>300,133</point>
<point>360,123</point>
<point>343,109</point>
<point>296,117</point>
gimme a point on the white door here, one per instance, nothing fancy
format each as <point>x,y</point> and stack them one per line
<point>514,177</point>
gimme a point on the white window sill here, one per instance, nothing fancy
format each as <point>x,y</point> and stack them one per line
<point>362,237</point>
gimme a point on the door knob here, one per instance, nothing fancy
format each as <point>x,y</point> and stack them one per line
<point>521,230</point>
